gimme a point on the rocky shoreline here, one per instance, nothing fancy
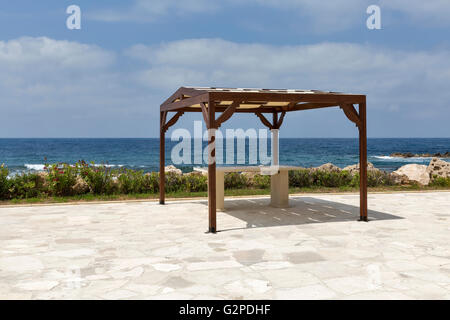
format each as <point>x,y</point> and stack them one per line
<point>64,180</point>
<point>420,155</point>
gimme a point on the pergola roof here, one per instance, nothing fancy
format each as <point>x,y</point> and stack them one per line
<point>189,99</point>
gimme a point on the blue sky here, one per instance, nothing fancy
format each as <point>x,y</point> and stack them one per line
<point>108,79</point>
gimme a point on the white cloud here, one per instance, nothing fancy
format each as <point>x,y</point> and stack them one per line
<point>403,84</point>
<point>329,66</point>
<point>333,15</point>
<point>39,66</point>
<point>27,51</point>
<point>430,12</point>
<point>53,87</point>
<point>318,16</point>
<point>60,88</point>
<point>322,16</point>
<point>151,10</point>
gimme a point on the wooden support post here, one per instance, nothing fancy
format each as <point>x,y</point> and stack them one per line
<point>274,140</point>
<point>162,159</point>
<point>363,162</point>
<point>220,190</point>
<point>274,147</point>
<point>212,167</point>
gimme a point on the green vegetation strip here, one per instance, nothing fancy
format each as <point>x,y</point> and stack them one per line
<point>89,182</point>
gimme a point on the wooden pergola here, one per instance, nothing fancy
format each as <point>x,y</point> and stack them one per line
<point>261,102</point>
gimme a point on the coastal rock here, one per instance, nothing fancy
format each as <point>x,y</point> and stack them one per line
<point>415,172</point>
<point>196,173</point>
<point>420,155</point>
<point>354,169</point>
<point>402,155</point>
<point>80,186</point>
<point>399,178</point>
<point>42,179</point>
<point>439,168</point>
<point>173,169</point>
<point>115,183</point>
<point>328,167</point>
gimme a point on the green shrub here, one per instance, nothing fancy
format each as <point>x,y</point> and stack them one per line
<point>440,182</point>
<point>379,178</point>
<point>25,186</point>
<point>4,182</point>
<point>151,182</point>
<point>61,178</point>
<point>305,178</point>
<point>235,180</point>
<point>131,181</point>
<point>99,179</point>
<point>300,178</point>
<point>174,182</point>
<point>64,180</point>
<point>374,179</point>
<point>261,182</point>
<point>195,183</point>
<point>355,180</point>
<point>331,178</point>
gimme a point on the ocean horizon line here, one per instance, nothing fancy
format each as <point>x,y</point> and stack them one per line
<point>167,138</point>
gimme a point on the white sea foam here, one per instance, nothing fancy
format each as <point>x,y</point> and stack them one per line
<point>40,167</point>
<point>36,167</point>
<point>108,165</point>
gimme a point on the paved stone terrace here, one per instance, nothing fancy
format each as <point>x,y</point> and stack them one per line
<point>314,250</point>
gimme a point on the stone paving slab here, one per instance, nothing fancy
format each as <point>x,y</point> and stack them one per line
<point>313,250</point>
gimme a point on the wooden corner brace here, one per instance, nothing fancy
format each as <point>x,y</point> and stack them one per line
<point>351,114</point>
<point>276,122</point>
<point>223,117</point>
<point>227,113</point>
<point>205,114</point>
<point>165,126</point>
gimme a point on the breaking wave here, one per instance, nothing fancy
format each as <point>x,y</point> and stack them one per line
<point>40,167</point>
<point>35,167</point>
<point>407,160</point>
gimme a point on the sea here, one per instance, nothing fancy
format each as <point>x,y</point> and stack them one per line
<point>29,155</point>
